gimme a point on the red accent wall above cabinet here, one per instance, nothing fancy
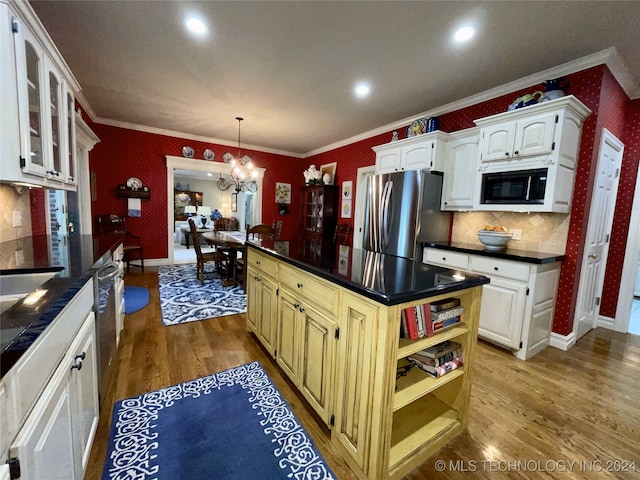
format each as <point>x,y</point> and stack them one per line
<point>123,153</point>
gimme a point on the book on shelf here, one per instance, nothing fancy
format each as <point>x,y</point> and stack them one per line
<point>442,324</point>
<point>440,349</point>
<point>446,314</point>
<point>403,325</point>
<point>442,355</point>
<point>445,304</point>
<point>426,311</point>
<point>420,319</point>
<point>438,370</point>
<point>412,323</point>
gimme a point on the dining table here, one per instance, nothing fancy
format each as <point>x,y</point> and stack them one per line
<point>233,241</point>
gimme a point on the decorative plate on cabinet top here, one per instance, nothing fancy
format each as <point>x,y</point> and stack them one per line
<point>208,154</point>
<point>417,128</point>
<point>227,157</point>
<point>187,151</point>
<point>134,183</point>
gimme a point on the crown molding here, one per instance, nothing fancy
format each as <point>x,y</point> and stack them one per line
<point>199,138</point>
<point>609,57</point>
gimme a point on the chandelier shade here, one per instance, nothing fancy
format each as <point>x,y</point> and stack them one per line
<point>242,176</point>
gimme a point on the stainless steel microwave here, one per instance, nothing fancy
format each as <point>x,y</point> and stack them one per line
<point>514,187</point>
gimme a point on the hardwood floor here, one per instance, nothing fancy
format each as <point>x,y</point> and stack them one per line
<point>579,406</point>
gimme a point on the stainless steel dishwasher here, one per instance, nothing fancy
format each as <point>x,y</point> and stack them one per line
<point>105,311</point>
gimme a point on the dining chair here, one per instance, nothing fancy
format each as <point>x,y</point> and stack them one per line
<point>216,257</point>
<point>256,232</point>
<point>222,225</point>
<point>276,229</point>
<point>132,245</point>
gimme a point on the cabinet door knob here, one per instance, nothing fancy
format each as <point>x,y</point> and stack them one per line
<point>506,154</point>
<point>77,365</point>
<point>444,259</point>
<point>299,285</point>
<point>301,310</point>
<point>257,262</point>
<point>296,305</point>
<point>516,152</point>
<point>81,356</point>
<point>495,268</point>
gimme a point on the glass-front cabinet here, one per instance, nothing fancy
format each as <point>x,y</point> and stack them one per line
<point>319,215</point>
<point>30,60</point>
<point>44,110</point>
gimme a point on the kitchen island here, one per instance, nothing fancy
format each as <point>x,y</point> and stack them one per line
<point>336,334</point>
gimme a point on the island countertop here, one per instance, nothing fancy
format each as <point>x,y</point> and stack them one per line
<point>386,279</point>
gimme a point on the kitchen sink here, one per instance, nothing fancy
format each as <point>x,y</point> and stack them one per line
<point>14,287</point>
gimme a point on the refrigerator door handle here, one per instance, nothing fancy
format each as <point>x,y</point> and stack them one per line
<point>384,218</point>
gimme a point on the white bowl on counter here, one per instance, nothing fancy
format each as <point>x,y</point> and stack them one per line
<point>494,240</point>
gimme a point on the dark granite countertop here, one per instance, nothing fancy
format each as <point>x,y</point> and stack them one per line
<point>22,323</point>
<point>384,278</point>
<point>528,256</point>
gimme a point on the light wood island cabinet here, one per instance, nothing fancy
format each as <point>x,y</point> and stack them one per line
<point>339,342</point>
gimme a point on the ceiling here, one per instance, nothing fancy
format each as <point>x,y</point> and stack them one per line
<point>289,68</point>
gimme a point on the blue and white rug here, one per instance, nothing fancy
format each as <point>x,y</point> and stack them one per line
<point>184,299</point>
<point>227,426</point>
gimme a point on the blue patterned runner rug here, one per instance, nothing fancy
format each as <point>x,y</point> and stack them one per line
<point>232,425</point>
<point>184,299</point>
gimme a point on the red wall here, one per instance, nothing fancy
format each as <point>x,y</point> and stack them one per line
<point>629,133</point>
<point>123,153</point>
<point>600,92</point>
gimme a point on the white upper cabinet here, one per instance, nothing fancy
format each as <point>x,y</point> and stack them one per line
<point>460,170</point>
<point>529,136</point>
<point>542,136</point>
<point>424,152</point>
<point>39,88</point>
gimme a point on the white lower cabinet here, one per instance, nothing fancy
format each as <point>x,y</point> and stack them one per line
<point>517,306</point>
<point>501,312</point>
<point>55,440</point>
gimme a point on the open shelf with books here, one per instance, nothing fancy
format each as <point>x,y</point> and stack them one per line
<point>408,347</point>
<point>433,380</point>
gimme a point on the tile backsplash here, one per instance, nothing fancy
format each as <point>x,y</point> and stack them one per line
<point>541,232</point>
<point>11,202</point>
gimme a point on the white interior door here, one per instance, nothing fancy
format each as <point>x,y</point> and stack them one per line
<point>596,249</point>
<point>361,197</point>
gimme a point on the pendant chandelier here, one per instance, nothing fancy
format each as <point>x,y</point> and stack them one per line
<point>242,176</point>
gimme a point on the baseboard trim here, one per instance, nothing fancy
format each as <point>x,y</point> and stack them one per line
<point>563,342</point>
<point>606,322</point>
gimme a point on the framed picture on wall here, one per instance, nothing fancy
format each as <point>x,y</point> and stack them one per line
<point>234,202</point>
<point>283,193</point>
<point>329,168</point>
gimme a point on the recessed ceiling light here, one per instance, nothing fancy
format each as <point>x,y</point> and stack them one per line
<point>196,25</point>
<point>464,33</point>
<point>362,89</point>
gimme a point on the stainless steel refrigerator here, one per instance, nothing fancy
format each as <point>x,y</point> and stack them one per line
<point>402,211</point>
